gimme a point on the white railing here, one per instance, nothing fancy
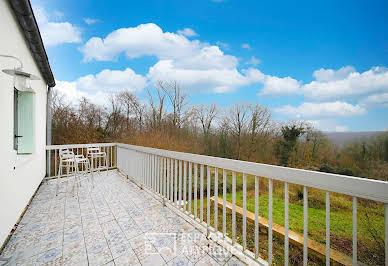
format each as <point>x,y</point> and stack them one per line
<point>161,171</point>
<point>52,165</point>
<point>174,177</point>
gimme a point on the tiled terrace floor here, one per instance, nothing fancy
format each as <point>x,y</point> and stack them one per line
<point>115,224</point>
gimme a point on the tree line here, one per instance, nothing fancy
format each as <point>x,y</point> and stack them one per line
<point>245,131</point>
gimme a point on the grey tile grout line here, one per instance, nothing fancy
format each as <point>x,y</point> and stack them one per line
<point>82,226</point>
<point>89,193</point>
<point>133,237</point>
<point>64,221</point>
<point>122,229</point>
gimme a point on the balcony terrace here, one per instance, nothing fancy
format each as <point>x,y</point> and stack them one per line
<point>156,207</point>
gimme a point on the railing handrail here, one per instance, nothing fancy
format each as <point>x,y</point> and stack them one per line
<point>74,146</point>
<point>353,186</point>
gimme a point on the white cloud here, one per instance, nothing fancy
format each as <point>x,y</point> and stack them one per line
<point>210,57</point>
<point>74,95</point>
<point>253,61</point>
<point>225,46</point>
<point>187,32</point>
<point>112,80</point>
<point>69,89</point>
<point>58,14</point>
<point>194,64</point>
<point>322,110</point>
<point>246,46</point>
<point>349,84</point>
<point>94,87</point>
<point>216,80</point>
<point>54,33</point>
<point>344,83</point>
<point>380,100</point>
<point>331,75</point>
<point>90,21</point>
<point>276,86</point>
<point>205,66</point>
<point>143,40</point>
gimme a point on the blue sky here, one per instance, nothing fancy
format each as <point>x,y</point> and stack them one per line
<point>319,61</point>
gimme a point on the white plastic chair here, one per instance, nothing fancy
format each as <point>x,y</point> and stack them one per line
<point>66,160</point>
<point>97,158</point>
<point>83,168</point>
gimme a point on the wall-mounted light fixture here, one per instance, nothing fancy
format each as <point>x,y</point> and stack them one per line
<point>21,78</point>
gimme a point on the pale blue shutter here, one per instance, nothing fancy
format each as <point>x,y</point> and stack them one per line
<point>26,120</point>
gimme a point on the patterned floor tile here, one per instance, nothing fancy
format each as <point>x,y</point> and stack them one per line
<point>99,254</point>
<point>233,261</point>
<point>138,241</point>
<point>180,260</point>
<point>112,223</point>
<point>128,258</point>
<point>192,251</point>
<point>152,260</point>
<point>220,254</point>
<point>75,256</point>
<point>52,256</point>
<point>52,240</point>
<point>207,261</point>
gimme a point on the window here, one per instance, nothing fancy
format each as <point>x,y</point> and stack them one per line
<point>15,119</point>
<point>24,119</point>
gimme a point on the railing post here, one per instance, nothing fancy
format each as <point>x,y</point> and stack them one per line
<point>190,185</point>
<point>201,195</point>
<point>270,188</point>
<point>354,231</point>
<point>168,178</point>
<point>305,226</point>
<point>172,180</point>
<point>180,185</point>
<point>208,201</point>
<point>48,163</point>
<point>327,228</point>
<point>234,207</point>
<point>184,185</point>
<point>195,188</point>
<point>386,233</point>
<point>176,181</point>
<point>244,232</point>
<point>286,205</point>
<point>256,217</point>
<point>223,202</point>
<point>216,199</point>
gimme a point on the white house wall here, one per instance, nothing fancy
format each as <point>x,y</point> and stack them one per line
<point>20,175</point>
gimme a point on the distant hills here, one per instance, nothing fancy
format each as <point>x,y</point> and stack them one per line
<point>341,138</point>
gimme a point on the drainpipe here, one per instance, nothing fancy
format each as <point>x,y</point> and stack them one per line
<point>49,118</point>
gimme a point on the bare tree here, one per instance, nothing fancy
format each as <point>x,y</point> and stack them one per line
<point>128,101</point>
<point>132,106</point>
<point>238,123</point>
<point>206,115</point>
<point>259,122</point>
<point>177,100</point>
<point>157,108</point>
<point>223,137</point>
<point>114,118</point>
